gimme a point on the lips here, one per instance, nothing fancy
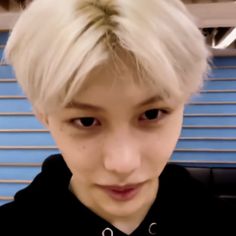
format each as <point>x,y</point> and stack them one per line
<point>122,193</point>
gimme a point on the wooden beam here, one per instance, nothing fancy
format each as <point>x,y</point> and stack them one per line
<point>214,14</point>
<point>8,19</point>
<point>223,52</point>
<point>220,14</point>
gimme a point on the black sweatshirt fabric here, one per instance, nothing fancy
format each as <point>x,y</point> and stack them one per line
<point>47,207</point>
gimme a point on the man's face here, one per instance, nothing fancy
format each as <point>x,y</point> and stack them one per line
<point>116,137</point>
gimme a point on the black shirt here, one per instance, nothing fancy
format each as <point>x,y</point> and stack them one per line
<point>182,207</point>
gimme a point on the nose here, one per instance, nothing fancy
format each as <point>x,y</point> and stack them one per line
<point>121,155</point>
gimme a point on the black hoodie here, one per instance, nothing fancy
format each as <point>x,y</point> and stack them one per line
<point>46,206</point>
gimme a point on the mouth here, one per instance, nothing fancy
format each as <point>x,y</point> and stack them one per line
<point>122,193</point>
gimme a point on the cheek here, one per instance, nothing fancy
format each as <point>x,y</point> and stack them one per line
<point>79,154</point>
<point>159,146</point>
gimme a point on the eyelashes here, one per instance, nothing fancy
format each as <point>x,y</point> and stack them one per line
<point>86,122</point>
<point>151,115</point>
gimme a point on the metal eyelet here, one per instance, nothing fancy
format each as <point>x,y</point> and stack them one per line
<point>152,229</point>
<point>107,232</point>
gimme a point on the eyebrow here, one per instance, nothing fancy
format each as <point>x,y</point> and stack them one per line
<point>85,106</point>
<point>155,98</point>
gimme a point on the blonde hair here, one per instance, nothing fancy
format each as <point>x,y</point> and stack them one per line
<point>56,44</point>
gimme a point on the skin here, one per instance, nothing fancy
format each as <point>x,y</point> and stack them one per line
<point>122,145</point>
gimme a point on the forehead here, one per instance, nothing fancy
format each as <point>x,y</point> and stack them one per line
<point>120,75</point>
<point>113,82</point>
<point>117,91</point>
<point>116,78</point>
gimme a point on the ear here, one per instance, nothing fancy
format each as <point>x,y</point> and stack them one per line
<point>42,117</point>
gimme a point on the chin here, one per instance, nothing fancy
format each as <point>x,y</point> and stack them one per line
<point>125,209</point>
<point>129,207</point>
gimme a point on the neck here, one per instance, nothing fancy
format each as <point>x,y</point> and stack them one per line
<point>128,224</point>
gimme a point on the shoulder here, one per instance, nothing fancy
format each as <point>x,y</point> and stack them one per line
<point>189,203</point>
<point>178,183</point>
<point>41,203</point>
<point>45,186</point>
<point>176,176</point>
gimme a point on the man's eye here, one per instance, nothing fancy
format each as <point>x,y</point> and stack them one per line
<point>152,114</point>
<point>86,122</point>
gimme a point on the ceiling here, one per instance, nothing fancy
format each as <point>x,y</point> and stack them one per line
<point>215,18</point>
<point>205,1</point>
<point>217,21</point>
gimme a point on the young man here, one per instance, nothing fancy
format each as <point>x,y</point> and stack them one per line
<point>109,79</point>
